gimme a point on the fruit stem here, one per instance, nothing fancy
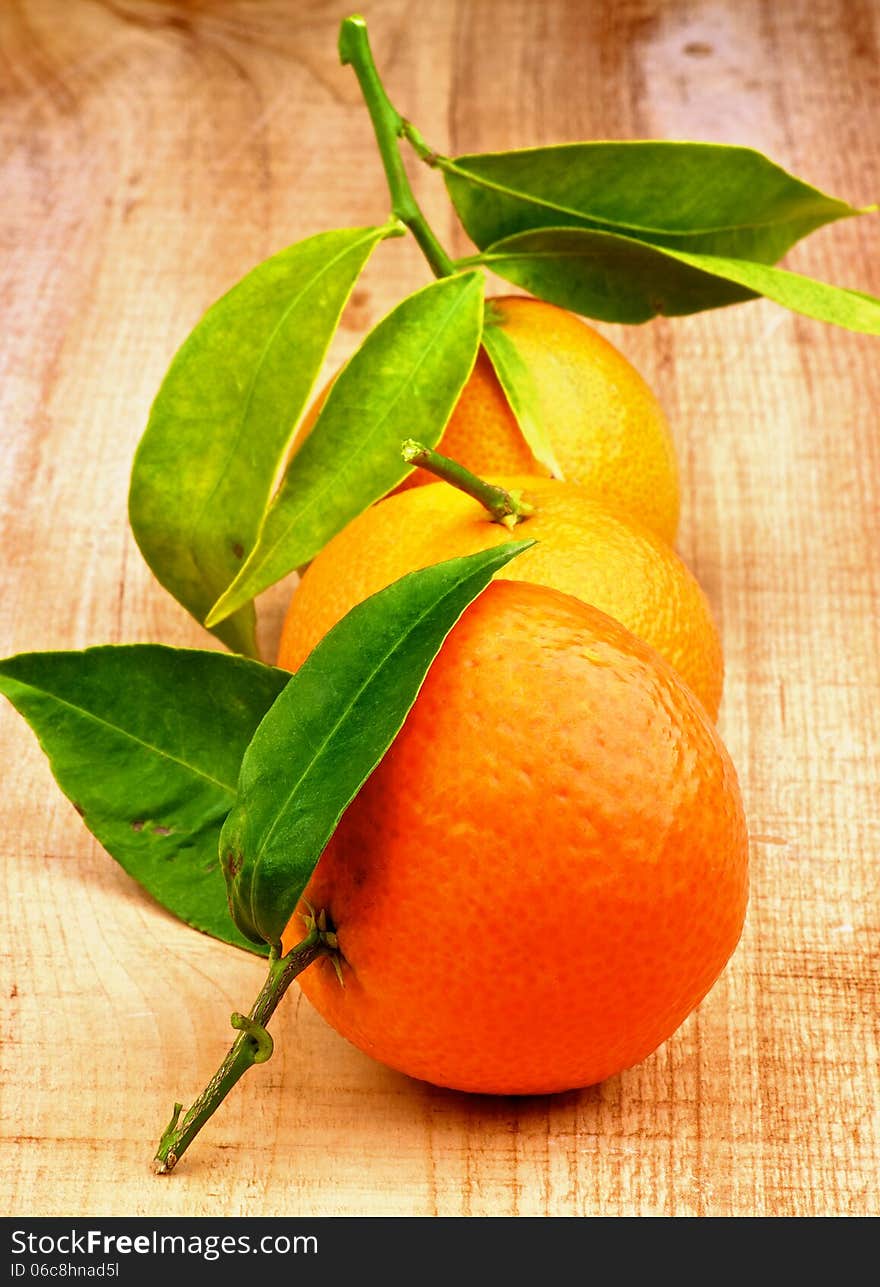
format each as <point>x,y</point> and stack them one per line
<point>504,507</point>
<point>253,1045</point>
<point>388,126</point>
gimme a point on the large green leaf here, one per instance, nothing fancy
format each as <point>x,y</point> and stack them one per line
<point>222,421</point>
<point>330,728</point>
<point>617,279</point>
<point>699,197</point>
<point>147,742</point>
<point>405,378</point>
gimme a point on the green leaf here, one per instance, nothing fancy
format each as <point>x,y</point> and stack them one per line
<point>853,309</point>
<point>406,377</point>
<point>516,380</point>
<point>330,728</point>
<point>617,279</point>
<point>699,197</point>
<point>147,742</point>
<point>612,278</point>
<point>221,424</point>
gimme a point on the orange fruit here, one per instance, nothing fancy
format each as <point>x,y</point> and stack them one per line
<point>582,549</point>
<point>606,426</point>
<point>547,871</point>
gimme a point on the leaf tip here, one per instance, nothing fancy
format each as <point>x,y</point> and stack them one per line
<point>513,549</point>
<point>223,608</point>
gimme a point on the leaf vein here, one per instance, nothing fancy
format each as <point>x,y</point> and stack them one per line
<point>229,788</point>
<point>600,222</point>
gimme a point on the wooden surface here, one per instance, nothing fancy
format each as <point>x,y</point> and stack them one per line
<point>152,153</point>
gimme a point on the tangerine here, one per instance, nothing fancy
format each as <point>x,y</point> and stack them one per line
<point>582,549</point>
<point>547,871</point>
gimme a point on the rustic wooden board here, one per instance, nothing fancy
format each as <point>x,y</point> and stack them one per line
<point>152,152</point>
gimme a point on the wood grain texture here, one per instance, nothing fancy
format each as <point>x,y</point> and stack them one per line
<point>154,151</point>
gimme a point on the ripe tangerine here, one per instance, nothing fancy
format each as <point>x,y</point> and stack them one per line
<point>582,549</point>
<point>547,871</point>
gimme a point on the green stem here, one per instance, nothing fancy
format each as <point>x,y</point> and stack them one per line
<point>423,150</point>
<point>504,507</point>
<point>437,161</point>
<point>252,1046</point>
<point>388,126</point>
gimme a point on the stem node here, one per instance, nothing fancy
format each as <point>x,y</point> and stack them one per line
<point>262,1044</point>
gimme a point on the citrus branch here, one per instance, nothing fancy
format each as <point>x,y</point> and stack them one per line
<point>388,126</point>
<point>504,507</point>
<point>253,1045</point>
